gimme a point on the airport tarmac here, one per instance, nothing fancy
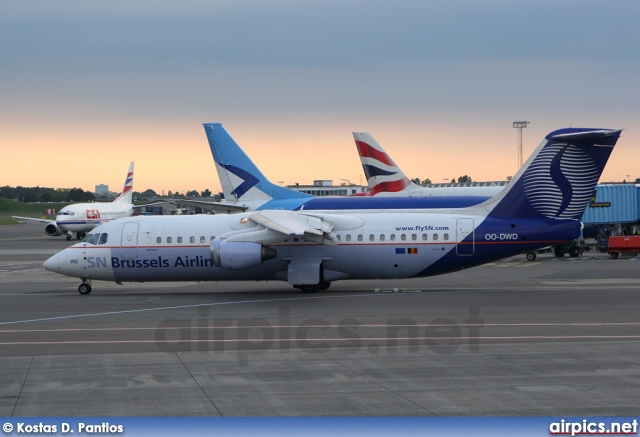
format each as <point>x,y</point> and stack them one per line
<point>557,337</point>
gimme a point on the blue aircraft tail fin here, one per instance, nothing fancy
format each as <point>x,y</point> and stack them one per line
<point>559,177</point>
<point>240,178</point>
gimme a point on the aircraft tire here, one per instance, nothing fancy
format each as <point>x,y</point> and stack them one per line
<point>84,288</point>
<point>574,252</point>
<point>308,288</point>
<point>531,256</point>
<point>324,285</point>
<point>68,237</point>
<point>613,255</point>
<point>558,251</point>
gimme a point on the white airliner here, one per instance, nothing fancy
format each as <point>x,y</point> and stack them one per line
<point>309,249</point>
<point>83,217</point>
<point>386,179</point>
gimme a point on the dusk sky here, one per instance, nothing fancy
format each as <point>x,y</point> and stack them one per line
<point>87,87</point>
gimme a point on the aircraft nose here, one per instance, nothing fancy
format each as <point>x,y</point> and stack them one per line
<point>53,263</point>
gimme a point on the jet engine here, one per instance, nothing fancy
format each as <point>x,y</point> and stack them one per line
<point>239,255</point>
<point>52,230</point>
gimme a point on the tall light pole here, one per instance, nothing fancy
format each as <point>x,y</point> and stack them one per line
<point>520,125</point>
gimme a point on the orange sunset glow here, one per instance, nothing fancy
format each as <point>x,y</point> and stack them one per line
<point>175,155</point>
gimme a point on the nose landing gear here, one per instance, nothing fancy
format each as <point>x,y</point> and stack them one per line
<point>85,287</point>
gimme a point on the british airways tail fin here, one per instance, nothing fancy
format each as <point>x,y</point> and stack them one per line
<point>127,191</point>
<point>559,177</point>
<point>383,175</point>
<point>240,178</point>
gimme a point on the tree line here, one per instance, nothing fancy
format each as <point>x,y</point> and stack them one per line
<point>43,194</point>
<point>47,195</point>
<point>424,182</point>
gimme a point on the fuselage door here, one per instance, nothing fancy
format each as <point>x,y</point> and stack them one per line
<point>129,242</point>
<point>465,237</point>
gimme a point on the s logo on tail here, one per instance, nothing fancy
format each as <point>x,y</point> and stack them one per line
<point>558,183</point>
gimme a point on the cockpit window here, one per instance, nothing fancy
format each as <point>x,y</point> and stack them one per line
<point>94,239</point>
<point>64,213</point>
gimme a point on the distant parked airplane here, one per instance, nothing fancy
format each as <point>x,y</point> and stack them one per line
<point>386,179</point>
<point>83,217</point>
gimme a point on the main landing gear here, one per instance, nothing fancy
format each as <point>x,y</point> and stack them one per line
<point>85,287</point>
<point>312,288</point>
<point>79,236</point>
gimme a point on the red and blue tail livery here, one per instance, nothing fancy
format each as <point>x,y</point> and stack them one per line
<point>383,175</point>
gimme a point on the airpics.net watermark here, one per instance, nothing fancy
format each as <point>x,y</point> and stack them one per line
<point>349,335</point>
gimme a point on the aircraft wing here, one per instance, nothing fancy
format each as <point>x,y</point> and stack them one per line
<point>32,219</point>
<point>157,203</point>
<point>216,207</point>
<point>291,223</point>
<point>279,226</point>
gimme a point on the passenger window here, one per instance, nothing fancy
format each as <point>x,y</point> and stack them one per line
<point>348,237</point>
<point>403,237</point>
<point>414,237</point>
<point>192,240</point>
<point>103,238</point>
<point>202,239</point>
<point>371,237</point>
<point>169,240</point>
<point>393,237</point>
<point>359,237</point>
<point>425,237</point>
<point>381,237</point>
<point>435,237</point>
<point>179,240</point>
<point>213,237</point>
<point>446,236</point>
<point>159,240</point>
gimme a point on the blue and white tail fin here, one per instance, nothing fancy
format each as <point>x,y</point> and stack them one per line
<point>127,191</point>
<point>240,178</point>
<point>383,175</point>
<point>559,177</point>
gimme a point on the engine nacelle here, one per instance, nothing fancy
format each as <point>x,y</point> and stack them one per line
<point>52,230</point>
<point>239,255</point>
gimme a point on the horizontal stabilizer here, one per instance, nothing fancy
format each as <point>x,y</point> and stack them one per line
<point>592,135</point>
